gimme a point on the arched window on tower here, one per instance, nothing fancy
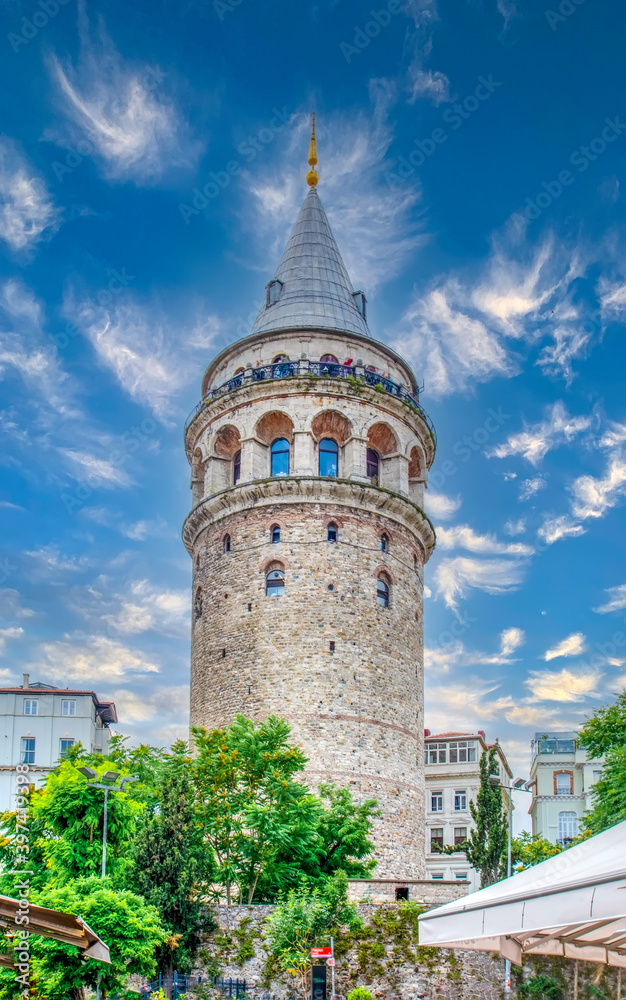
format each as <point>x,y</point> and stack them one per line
<point>373,466</point>
<point>226,543</point>
<point>329,359</point>
<point>332,532</point>
<point>384,543</point>
<point>329,457</point>
<point>236,467</point>
<point>197,604</point>
<point>382,591</point>
<point>275,533</point>
<point>275,583</point>
<point>280,457</point>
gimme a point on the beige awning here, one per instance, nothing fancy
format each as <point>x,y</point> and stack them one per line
<point>53,924</point>
<point>573,905</point>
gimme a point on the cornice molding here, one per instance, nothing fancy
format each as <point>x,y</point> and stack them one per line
<point>288,490</point>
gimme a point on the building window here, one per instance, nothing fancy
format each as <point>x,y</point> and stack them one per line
<point>64,746</point>
<point>31,706</point>
<point>596,776</point>
<point>373,465</point>
<point>382,593</point>
<point>462,752</point>
<point>402,892</point>
<point>280,457</point>
<point>275,583</point>
<point>461,876</point>
<point>436,802</point>
<point>273,291</point>
<point>226,543</point>
<point>437,875</point>
<point>275,533</point>
<point>562,783</point>
<point>360,302</point>
<point>68,708</point>
<point>568,827</point>
<point>236,467</point>
<point>460,835</point>
<point>384,543</point>
<point>436,837</point>
<point>28,750</point>
<point>435,753</point>
<point>460,801</point>
<point>329,457</point>
<point>329,359</point>
<point>332,532</point>
<point>197,604</point>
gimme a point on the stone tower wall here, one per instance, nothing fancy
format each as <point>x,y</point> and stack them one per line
<point>355,706</point>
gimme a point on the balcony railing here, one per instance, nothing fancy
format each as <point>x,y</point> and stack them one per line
<point>358,375</point>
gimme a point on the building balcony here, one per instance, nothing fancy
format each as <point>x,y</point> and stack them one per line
<point>357,376</point>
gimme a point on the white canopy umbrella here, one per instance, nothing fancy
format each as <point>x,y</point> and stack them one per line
<point>573,905</point>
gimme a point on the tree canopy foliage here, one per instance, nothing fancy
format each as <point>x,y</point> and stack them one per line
<point>487,841</point>
<point>604,734</point>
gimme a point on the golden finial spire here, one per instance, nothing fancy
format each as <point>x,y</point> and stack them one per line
<point>312,176</point>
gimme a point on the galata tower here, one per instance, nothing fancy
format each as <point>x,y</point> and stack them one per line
<point>309,453</point>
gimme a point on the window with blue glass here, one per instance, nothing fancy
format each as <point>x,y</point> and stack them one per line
<point>275,533</point>
<point>275,583</point>
<point>280,457</point>
<point>332,532</point>
<point>373,464</point>
<point>236,467</point>
<point>382,592</point>
<point>329,457</point>
<point>28,750</point>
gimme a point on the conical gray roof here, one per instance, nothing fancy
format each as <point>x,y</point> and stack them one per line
<point>316,290</point>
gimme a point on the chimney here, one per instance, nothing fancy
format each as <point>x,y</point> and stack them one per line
<point>25,680</point>
<point>427,732</point>
<point>481,732</point>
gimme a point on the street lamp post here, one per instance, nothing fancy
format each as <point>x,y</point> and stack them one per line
<point>108,784</point>
<point>517,785</point>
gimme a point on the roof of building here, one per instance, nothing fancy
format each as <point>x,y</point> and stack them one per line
<point>447,736</point>
<point>316,290</point>
<point>106,709</point>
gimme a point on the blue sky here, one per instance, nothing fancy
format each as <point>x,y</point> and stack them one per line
<point>152,164</point>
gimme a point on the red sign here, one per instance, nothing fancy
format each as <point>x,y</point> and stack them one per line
<point>331,962</point>
<point>321,952</point>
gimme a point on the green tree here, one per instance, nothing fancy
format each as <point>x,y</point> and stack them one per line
<point>604,734</point>
<point>306,918</point>
<point>541,987</point>
<point>130,928</point>
<point>171,864</point>
<point>487,841</point>
<point>257,820</point>
<point>531,849</point>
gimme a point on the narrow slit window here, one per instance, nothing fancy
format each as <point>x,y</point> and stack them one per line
<point>332,532</point>
<point>373,465</point>
<point>384,543</point>
<point>275,533</point>
<point>382,593</point>
<point>226,543</point>
<point>236,467</point>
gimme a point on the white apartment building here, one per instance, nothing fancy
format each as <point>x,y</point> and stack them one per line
<point>38,724</point>
<point>563,780</point>
<point>452,782</point>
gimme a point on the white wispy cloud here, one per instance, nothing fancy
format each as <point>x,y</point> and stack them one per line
<point>144,607</point>
<point>515,526</point>
<point>142,346</point>
<point>440,506</point>
<point>594,496</point>
<point>554,529</point>
<point>573,645</point>
<point>463,537</point>
<point>564,685</point>
<point>11,606</point>
<point>536,440</point>
<point>124,110</point>
<point>430,84</point>
<point>12,632</point>
<point>90,660</point>
<point>167,701</point>
<point>443,658</point>
<point>374,223</point>
<point>27,212</point>
<point>49,564</point>
<point>96,470</point>
<point>456,576</point>
<point>616,601</point>
<point>530,487</point>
